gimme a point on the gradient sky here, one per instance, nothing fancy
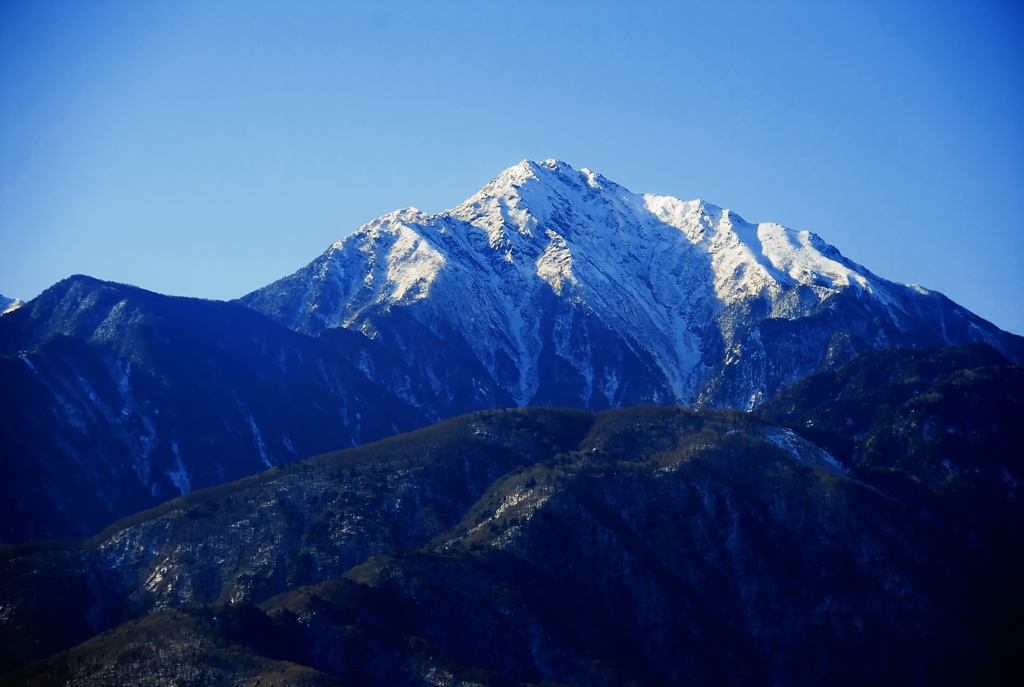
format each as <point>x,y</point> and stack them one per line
<point>209,148</point>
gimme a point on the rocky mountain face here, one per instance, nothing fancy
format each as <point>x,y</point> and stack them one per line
<point>553,286</point>
<point>863,527</point>
<point>115,399</point>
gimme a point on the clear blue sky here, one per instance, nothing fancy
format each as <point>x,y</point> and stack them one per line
<point>208,148</point>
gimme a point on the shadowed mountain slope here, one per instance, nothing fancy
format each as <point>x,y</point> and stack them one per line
<point>649,545</point>
<point>116,399</point>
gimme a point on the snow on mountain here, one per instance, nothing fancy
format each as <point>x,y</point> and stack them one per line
<point>9,304</point>
<point>570,289</point>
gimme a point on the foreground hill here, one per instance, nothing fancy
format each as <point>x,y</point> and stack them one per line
<point>648,545</point>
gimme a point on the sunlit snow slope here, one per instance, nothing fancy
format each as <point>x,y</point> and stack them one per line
<point>9,304</point>
<point>557,286</point>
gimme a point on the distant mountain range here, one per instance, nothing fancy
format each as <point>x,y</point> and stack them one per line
<point>550,286</point>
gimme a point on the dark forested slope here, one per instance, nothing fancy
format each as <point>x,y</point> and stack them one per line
<point>650,545</point>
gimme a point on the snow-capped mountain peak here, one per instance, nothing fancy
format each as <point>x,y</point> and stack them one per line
<point>557,279</point>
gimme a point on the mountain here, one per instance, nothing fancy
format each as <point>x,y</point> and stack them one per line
<point>553,286</point>
<point>116,399</point>
<point>642,546</point>
<point>548,287</point>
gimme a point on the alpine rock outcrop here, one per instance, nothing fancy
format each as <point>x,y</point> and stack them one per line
<point>553,286</point>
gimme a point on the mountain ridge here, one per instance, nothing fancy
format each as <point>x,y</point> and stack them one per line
<point>117,398</point>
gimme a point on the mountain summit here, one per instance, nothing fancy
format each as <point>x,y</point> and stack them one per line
<point>554,286</point>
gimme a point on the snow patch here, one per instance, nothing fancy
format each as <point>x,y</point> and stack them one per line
<point>260,446</point>
<point>179,475</point>
<point>555,264</point>
<point>9,304</point>
<point>803,450</point>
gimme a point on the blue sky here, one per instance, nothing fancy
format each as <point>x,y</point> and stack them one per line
<point>209,148</point>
